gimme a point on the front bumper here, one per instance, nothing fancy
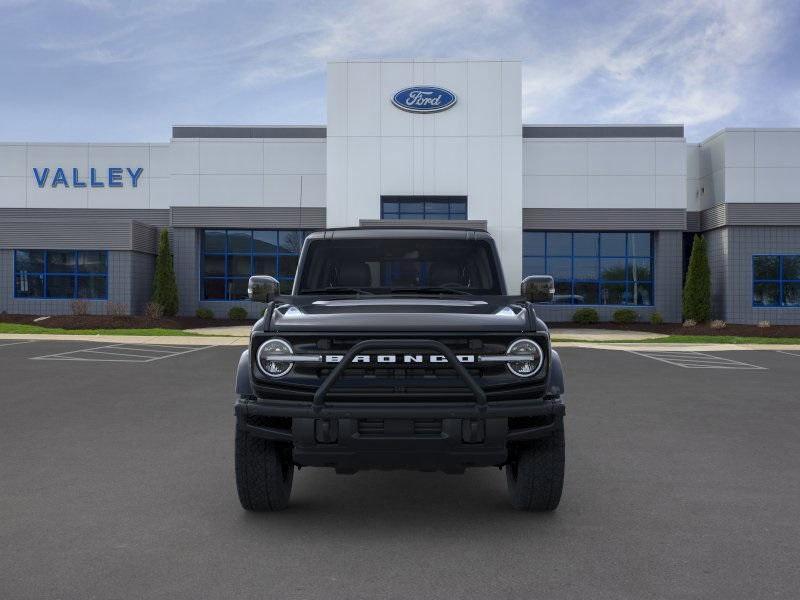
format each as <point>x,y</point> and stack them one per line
<point>430,436</point>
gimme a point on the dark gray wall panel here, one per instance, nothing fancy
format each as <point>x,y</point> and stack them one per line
<point>313,132</point>
<point>144,238</point>
<point>67,234</point>
<point>693,221</point>
<point>606,219</point>
<point>151,216</point>
<point>256,217</point>
<point>602,131</point>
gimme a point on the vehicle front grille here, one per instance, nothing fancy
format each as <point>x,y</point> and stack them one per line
<point>400,427</point>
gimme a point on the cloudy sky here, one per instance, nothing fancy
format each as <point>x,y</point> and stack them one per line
<point>126,70</point>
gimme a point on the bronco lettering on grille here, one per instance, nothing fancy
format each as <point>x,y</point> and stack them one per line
<point>400,358</point>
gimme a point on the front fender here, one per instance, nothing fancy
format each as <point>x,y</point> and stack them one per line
<point>243,385</point>
<point>555,378</point>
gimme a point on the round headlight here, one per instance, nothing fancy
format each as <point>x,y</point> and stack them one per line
<point>269,365</point>
<point>522,366</point>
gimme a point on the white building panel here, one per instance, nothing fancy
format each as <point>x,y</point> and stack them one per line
<point>184,190</point>
<point>555,157</point>
<point>450,160</point>
<point>670,191</point>
<point>775,148</point>
<point>362,179</point>
<point>484,167</point>
<point>670,158</point>
<point>363,103</point>
<point>61,197</point>
<point>621,157</point>
<point>184,157</point>
<point>510,98</point>
<point>12,192</point>
<point>394,76</point>
<point>230,190</point>
<point>484,104</point>
<point>739,148</point>
<point>555,191</point>
<point>312,191</point>
<point>622,191</point>
<point>229,157</point>
<point>159,161</point>
<point>282,190</point>
<point>336,182</point>
<point>124,197</point>
<point>13,160</point>
<point>396,165</point>
<point>511,182</point>
<point>451,75</point>
<point>739,184</point>
<point>284,157</point>
<point>337,99</point>
<point>160,192</point>
<point>778,185</point>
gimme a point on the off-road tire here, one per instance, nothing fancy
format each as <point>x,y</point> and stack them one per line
<point>264,473</point>
<point>535,473</point>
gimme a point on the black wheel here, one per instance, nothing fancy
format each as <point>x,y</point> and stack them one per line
<point>535,473</point>
<point>264,473</point>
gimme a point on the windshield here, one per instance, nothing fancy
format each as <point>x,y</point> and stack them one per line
<point>399,266</point>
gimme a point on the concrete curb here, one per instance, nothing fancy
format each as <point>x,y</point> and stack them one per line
<point>153,340</point>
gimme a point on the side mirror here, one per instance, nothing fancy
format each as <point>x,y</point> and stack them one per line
<point>538,288</point>
<point>262,288</point>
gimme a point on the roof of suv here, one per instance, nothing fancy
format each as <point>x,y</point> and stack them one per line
<point>400,232</point>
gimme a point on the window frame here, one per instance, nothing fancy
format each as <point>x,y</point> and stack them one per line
<point>252,254</point>
<point>780,281</point>
<point>627,259</point>
<point>75,274</point>
<point>452,215</point>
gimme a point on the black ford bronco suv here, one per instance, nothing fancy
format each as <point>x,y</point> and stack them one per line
<point>399,348</point>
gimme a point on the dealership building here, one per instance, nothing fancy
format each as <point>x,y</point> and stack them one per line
<point>608,210</point>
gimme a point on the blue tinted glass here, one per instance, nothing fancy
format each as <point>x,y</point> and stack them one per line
<point>265,242</point>
<point>791,294</point>
<point>766,294</point>
<point>290,241</point>
<point>239,241</point>
<point>390,207</point>
<point>791,267</point>
<point>586,268</point>
<point>214,240</point>
<point>533,265</point>
<point>765,267</point>
<point>559,244</point>
<point>559,268</point>
<point>585,292</point>
<point>640,294</point>
<point>533,243</point>
<point>612,244</point>
<point>586,244</point>
<point>612,269</point>
<point>638,244</point>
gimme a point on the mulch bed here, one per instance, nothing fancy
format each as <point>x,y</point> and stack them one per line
<point>120,322</point>
<point>774,331</point>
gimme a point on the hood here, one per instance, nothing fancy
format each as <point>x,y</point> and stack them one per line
<point>498,314</point>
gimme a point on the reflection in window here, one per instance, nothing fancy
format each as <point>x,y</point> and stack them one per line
<point>446,208</point>
<point>593,267</point>
<point>776,280</point>
<point>231,256</point>
<point>66,274</point>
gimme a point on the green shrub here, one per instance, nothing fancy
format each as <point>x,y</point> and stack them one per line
<point>165,288</point>
<point>585,316</point>
<point>237,313</point>
<point>624,315</point>
<point>204,313</point>
<point>697,290</point>
<point>656,318</point>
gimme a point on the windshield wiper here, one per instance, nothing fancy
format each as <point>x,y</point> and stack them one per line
<point>429,290</point>
<point>337,290</point>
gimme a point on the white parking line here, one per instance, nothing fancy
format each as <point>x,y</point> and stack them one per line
<point>787,353</point>
<point>698,360</point>
<point>126,353</point>
<point>16,343</point>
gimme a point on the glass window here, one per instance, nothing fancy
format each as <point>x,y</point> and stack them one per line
<point>230,257</point>
<point>776,280</point>
<point>593,267</point>
<point>61,274</point>
<point>424,207</point>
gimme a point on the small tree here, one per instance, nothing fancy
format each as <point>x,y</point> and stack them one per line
<point>697,290</point>
<point>165,288</point>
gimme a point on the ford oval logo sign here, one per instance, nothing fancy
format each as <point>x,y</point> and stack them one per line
<point>424,99</point>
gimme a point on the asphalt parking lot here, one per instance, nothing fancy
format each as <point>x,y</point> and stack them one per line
<point>116,481</point>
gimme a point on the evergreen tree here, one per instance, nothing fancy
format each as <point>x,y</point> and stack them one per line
<point>697,290</point>
<point>165,288</point>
